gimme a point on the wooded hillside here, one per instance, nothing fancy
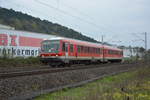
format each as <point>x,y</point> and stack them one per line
<point>28,23</point>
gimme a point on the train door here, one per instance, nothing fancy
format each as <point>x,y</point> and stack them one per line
<point>105,57</point>
<point>103,54</point>
<point>71,52</point>
<point>66,50</point>
<point>75,51</point>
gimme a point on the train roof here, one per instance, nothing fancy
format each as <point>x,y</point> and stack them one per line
<point>86,43</point>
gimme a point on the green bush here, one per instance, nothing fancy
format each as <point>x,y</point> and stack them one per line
<point>19,62</point>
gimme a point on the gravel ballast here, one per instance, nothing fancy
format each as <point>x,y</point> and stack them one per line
<point>21,88</point>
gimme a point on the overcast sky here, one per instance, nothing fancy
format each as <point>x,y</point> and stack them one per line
<point>121,22</point>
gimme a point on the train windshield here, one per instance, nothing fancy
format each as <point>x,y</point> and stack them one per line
<point>50,46</point>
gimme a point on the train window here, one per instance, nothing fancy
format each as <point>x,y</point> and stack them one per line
<point>121,52</point>
<point>105,51</point>
<point>66,47</point>
<point>94,51</point>
<point>79,49</point>
<point>91,50</point>
<point>88,50</point>
<point>51,46</point>
<point>116,53</point>
<point>109,52</point>
<point>98,51</point>
<point>82,49</point>
<point>71,47</point>
<point>101,51</point>
<point>112,52</point>
<point>63,46</point>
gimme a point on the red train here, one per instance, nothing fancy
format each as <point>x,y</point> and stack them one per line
<point>61,51</point>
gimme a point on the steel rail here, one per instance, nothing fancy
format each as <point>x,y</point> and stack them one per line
<point>105,73</point>
<point>51,70</point>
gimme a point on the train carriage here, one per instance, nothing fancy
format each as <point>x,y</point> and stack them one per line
<point>112,54</point>
<point>60,51</point>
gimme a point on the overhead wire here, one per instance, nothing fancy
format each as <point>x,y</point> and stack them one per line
<point>38,11</point>
<point>79,18</point>
<point>84,14</point>
<point>69,14</point>
<point>74,16</point>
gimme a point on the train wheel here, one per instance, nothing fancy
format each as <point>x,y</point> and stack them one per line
<point>67,65</point>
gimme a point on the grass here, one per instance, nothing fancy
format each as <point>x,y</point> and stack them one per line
<point>133,85</point>
<point>19,62</point>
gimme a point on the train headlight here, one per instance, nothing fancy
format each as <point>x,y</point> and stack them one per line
<point>56,55</point>
<point>42,56</point>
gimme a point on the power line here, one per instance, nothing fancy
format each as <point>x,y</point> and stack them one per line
<point>135,35</point>
<point>83,14</point>
<point>35,10</point>
<point>66,13</point>
<point>145,41</point>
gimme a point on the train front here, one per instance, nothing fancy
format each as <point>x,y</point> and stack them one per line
<point>51,52</point>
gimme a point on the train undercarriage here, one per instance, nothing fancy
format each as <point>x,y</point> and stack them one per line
<point>57,62</point>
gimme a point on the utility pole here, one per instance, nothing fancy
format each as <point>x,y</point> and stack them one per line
<point>103,47</point>
<point>145,46</point>
<point>102,39</point>
<point>145,41</point>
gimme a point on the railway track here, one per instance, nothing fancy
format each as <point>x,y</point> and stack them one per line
<point>44,70</point>
<point>80,75</point>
